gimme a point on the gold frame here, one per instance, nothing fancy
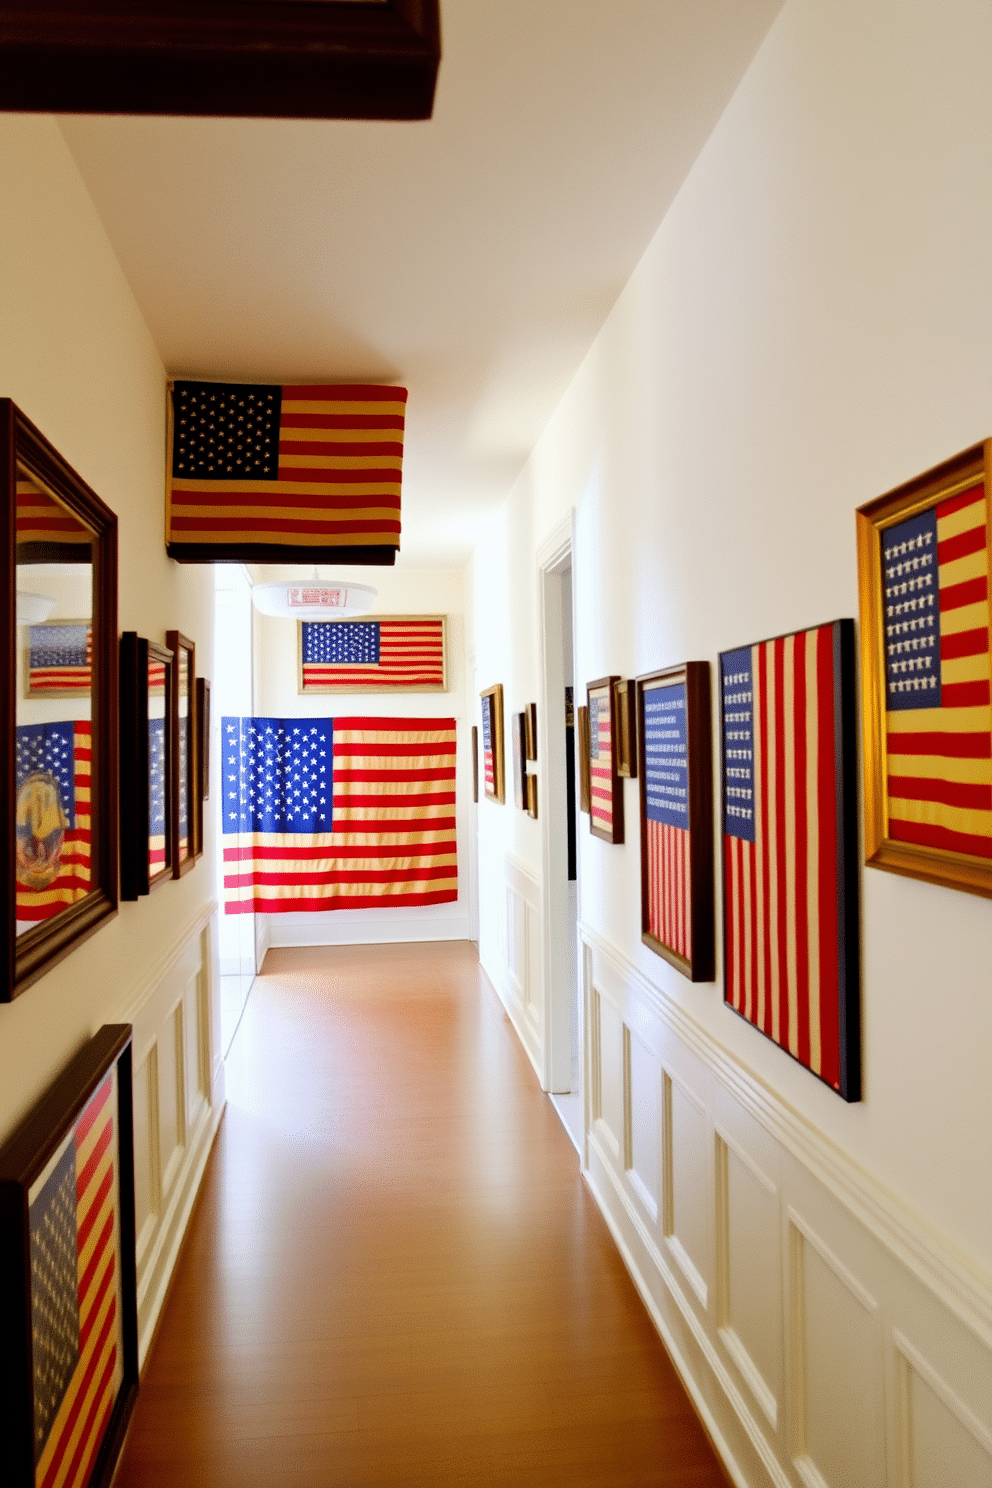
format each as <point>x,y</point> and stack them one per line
<point>935,864</point>
<point>495,695</point>
<point>400,686</point>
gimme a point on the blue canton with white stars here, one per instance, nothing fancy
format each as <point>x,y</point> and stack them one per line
<point>341,642</point>
<point>48,747</point>
<point>737,687</point>
<point>156,777</point>
<point>912,613</point>
<point>278,774</point>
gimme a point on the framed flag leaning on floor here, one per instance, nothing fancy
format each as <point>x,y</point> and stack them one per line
<point>68,1309</point>
<point>925,570</point>
<point>674,750</point>
<point>790,847</point>
<point>338,813</point>
<point>379,653</point>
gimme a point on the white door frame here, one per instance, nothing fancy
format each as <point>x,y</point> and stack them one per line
<point>553,557</point>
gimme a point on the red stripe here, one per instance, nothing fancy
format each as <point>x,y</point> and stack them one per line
<point>782,949</point>
<point>827,866</point>
<point>943,745</point>
<point>96,1105</point>
<point>964,694</point>
<point>958,503</point>
<point>965,643</point>
<point>947,792</point>
<point>93,1161</point>
<point>308,525</point>
<point>341,392</point>
<point>962,544</point>
<point>971,591</point>
<point>925,835</point>
<point>802,851</point>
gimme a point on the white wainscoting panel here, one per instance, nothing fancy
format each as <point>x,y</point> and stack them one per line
<point>178,1101</point>
<point>827,1336</point>
<point>520,982</point>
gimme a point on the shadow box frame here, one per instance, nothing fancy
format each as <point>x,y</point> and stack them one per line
<point>694,676</point>
<point>24,1157</point>
<point>492,707</point>
<point>177,642</point>
<point>135,792</point>
<point>933,863</point>
<point>29,956</point>
<point>605,687</point>
<point>343,688</point>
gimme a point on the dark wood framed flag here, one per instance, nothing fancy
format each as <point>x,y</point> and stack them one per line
<point>674,749</point>
<point>259,472</point>
<point>925,570</point>
<point>605,784</point>
<point>790,847</point>
<point>378,653</point>
<point>68,1308</point>
<point>493,777</point>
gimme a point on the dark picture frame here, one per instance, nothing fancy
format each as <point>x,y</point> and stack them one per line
<point>672,714</point>
<point>518,747</point>
<point>625,705</point>
<point>605,786</point>
<point>26,455</point>
<point>144,864</point>
<point>184,753</point>
<point>791,919</point>
<point>493,775</point>
<point>57,1169</point>
<point>264,60</point>
<point>925,581</point>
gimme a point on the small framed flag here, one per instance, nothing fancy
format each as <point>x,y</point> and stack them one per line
<point>68,1309</point>
<point>676,791</point>
<point>379,653</point>
<point>605,785</point>
<point>925,572</point>
<point>790,847</point>
<point>493,779</point>
<point>60,659</point>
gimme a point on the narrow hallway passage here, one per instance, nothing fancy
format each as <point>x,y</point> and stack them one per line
<point>395,1274</point>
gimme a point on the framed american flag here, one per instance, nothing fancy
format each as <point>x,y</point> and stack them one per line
<point>605,785</point>
<point>925,572</point>
<point>378,653</point>
<point>493,778</point>
<point>676,796</point>
<point>68,1309</point>
<point>790,847</point>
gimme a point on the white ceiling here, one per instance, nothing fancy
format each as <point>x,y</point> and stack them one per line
<point>472,257</point>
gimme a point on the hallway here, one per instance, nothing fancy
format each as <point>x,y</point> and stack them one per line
<point>395,1274</point>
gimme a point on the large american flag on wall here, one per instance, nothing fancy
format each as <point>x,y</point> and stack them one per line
<point>372,655</point>
<point>74,1222</point>
<point>53,829</point>
<point>790,847</point>
<point>338,813</point>
<point>256,466</point>
<point>668,898</point>
<point>935,568</point>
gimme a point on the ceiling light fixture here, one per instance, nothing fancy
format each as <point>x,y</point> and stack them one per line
<point>313,599</point>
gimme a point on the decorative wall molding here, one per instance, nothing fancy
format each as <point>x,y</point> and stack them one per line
<point>840,1341</point>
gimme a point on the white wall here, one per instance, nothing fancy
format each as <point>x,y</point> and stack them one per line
<point>809,328</point>
<point>76,357</point>
<point>402,590</point>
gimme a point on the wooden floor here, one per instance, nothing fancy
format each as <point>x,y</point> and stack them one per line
<point>395,1274</point>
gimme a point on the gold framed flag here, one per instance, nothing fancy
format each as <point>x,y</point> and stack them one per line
<point>924,565</point>
<point>259,472</point>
